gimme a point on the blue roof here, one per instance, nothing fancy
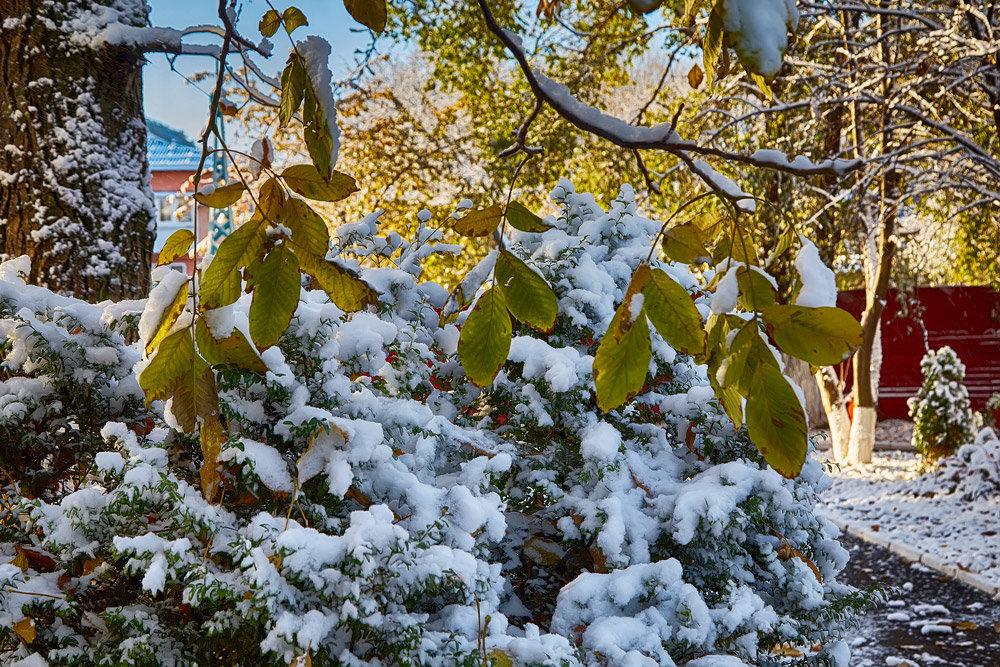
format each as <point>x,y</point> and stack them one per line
<point>169,150</point>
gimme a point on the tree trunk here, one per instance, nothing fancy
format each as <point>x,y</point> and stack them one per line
<point>835,406</point>
<point>74,180</point>
<point>862,439</point>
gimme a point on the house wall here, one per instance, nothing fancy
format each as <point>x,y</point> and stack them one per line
<point>171,182</point>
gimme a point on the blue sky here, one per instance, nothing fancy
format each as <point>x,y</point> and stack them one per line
<point>172,100</point>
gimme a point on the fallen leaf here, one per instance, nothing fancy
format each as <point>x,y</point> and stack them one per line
<point>25,629</point>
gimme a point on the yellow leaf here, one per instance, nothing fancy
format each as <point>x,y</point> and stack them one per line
<point>170,315</point>
<point>21,561</point>
<point>177,244</point>
<point>25,629</point>
<point>695,76</point>
<point>480,222</point>
<point>222,197</point>
<point>499,658</point>
<point>212,437</point>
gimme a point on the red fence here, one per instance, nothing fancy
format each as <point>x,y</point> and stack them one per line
<point>965,318</point>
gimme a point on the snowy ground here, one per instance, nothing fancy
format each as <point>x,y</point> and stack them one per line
<point>882,499</point>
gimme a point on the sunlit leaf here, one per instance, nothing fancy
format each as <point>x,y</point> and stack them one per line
<point>233,350</point>
<point>529,298</point>
<point>170,315</point>
<point>276,289</point>
<point>747,353</point>
<point>306,180</point>
<point>212,437</point>
<point>223,196</point>
<point>672,311</point>
<point>480,222</point>
<point>293,18</point>
<point>683,244</point>
<point>521,218</point>
<point>309,230</point>
<point>621,364</point>
<point>269,23</point>
<point>173,358</point>
<point>293,86</point>
<point>343,285</point>
<point>484,342</point>
<point>776,422</point>
<point>220,283</point>
<point>177,245</point>
<point>819,336</point>
<point>369,13</point>
<point>756,291</point>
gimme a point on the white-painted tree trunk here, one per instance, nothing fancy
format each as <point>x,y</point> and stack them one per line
<point>862,439</point>
<point>836,413</point>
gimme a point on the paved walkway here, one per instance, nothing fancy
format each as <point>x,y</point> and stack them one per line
<point>930,620</point>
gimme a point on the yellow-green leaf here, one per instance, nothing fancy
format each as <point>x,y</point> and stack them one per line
<point>621,364</point>
<point>293,18</point>
<point>173,358</point>
<point>234,349</point>
<point>309,230</point>
<point>756,291</point>
<point>194,395</point>
<point>343,285</point>
<point>269,23</point>
<point>293,86</point>
<point>369,13</point>
<point>170,315</point>
<point>529,298</point>
<point>521,218</point>
<point>306,180</point>
<point>740,248</point>
<point>712,45</point>
<point>25,629</point>
<point>480,222</point>
<point>695,76</point>
<point>177,244</point>
<point>220,283</point>
<point>212,437</point>
<point>683,244</point>
<point>223,196</point>
<point>819,336</point>
<point>484,342</point>
<point>731,402</point>
<point>776,422</point>
<point>270,200</point>
<point>316,133</point>
<point>276,290</point>
<point>747,353</point>
<point>672,311</point>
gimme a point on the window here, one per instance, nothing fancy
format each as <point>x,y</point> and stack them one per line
<point>173,207</point>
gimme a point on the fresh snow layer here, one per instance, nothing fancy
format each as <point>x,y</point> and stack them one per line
<point>889,498</point>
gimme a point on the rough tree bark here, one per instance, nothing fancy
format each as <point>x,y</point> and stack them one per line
<point>74,183</point>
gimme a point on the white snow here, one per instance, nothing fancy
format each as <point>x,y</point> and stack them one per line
<point>315,52</point>
<point>819,285</point>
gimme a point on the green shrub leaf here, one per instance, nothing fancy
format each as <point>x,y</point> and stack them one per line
<point>819,336</point>
<point>484,342</point>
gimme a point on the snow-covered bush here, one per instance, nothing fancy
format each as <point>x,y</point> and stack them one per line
<point>66,371</point>
<point>972,472</point>
<point>942,414</point>
<point>377,508</point>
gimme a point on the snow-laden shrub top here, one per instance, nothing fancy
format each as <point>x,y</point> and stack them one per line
<point>943,419</point>
<point>377,508</point>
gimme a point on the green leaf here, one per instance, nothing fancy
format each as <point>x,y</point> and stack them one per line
<point>747,353</point>
<point>233,350</point>
<point>784,243</point>
<point>672,311</point>
<point>741,249</point>
<point>484,342</point>
<point>481,222</point>
<point>177,245</point>
<point>529,298</point>
<point>293,18</point>
<point>731,402</point>
<point>269,23</point>
<point>344,286</point>
<point>170,315</point>
<point>621,363</point>
<point>220,282</point>
<point>309,231</point>
<point>712,45</point>
<point>293,87</point>
<point>305,179</point>
<point>819,336</point>
<point>756,291</point>
<point>369,13</point>
<point>222,197</point>
<point>276,291</point>
<point>683,244</point>
<point>173,357</point>
<point>776,422</point>
<point>521,218</point>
